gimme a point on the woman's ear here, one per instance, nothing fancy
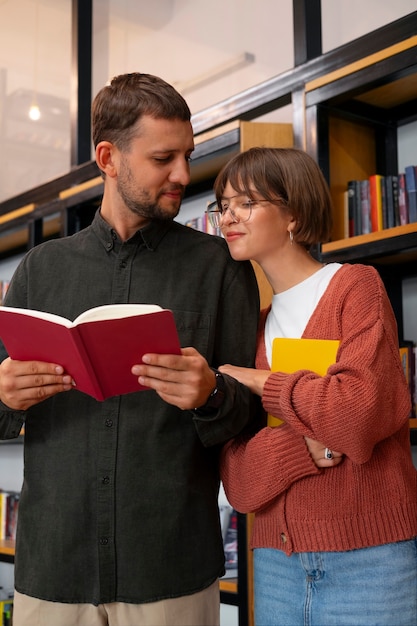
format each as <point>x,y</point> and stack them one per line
<point>292,223</point>
<point>105,158</point>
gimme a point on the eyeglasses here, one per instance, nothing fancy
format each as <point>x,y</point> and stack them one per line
<point>240,213</point>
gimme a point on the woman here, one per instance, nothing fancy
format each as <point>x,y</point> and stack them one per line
<point>334,546</point>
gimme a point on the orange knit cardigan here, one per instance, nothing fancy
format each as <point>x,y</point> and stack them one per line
<point>360,408</point>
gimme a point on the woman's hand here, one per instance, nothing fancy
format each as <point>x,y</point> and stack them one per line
<point>252,378</point>
<point>323,457</point>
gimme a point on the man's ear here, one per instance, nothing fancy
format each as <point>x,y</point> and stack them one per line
<point>106,158</point>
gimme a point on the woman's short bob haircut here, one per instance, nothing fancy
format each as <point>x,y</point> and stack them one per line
<point>290,176</point>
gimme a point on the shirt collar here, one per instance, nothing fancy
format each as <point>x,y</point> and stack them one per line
<point>151,235</point>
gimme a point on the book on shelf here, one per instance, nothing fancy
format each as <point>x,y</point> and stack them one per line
<point>346,229</point>
<point>97,349</point>
<point>230,544</point>
<point>9,508</point>
<point>402,199</point>
<point>202,223</point>
<point>375,202</point>
<point>365,207</point>
<point>354,207</point>
<point>391,200</point>
<point>291,355</point>
<point>4,285</point>
<point>410,172</point>
<point>6,612</point>
<point>225,511</point>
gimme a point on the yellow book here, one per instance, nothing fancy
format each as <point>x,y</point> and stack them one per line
<point>290,355</point>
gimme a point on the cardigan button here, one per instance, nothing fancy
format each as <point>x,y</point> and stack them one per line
<point>283,538</point>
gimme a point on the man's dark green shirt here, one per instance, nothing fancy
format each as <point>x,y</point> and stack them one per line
<point>119,498</point>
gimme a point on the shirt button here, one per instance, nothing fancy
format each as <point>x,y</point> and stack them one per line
<point>104,541</point>
<point>105,480</point>
<point>283,538</point>
<point>109,423</point>
<point>123,264</point>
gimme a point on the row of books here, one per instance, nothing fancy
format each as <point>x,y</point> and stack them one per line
<point>228,521</point>
<point>202,223</point>
<point>9,508</point>
<point>381,202</point>
<point>4,285</point>
<point>6,612</point>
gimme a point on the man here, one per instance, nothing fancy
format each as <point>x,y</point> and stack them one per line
<point>118,519</point>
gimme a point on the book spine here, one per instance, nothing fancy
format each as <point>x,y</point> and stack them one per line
<point>411,188</point>
<point>365,207</point>
<point>389,201</point>
<point>375,196</point>
<point>402,199</point>
<point>394,184</point>
<point>351,194</point>
<point>230,542</point>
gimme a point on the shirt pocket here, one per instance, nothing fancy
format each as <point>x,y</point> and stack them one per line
<point>194,330</point>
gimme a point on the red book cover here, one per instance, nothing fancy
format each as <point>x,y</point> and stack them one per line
<point>98,349</point>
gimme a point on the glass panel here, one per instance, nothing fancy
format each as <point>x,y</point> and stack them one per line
<point>345,20</point>
<point>34,70</point>
<point>208,50</point>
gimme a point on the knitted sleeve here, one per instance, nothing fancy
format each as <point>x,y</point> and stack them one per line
<point>364,397</point>
<point>256,470</point>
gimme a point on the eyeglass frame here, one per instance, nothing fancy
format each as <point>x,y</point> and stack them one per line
<point>214,216</point>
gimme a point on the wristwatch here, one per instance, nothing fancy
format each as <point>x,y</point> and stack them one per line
<point>215,399</point>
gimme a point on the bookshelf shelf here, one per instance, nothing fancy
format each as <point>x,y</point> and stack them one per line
<point>7,550</point>
<point>384,244</point>
<point>228,584</point>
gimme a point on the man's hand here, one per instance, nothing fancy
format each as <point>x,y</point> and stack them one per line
<point>185,380</point>
<point>26,383</point>
<point>318,450</point>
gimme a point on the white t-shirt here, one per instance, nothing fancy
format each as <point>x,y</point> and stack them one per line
<point>292,308</point>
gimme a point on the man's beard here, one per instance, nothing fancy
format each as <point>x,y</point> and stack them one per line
<point>141,205</point>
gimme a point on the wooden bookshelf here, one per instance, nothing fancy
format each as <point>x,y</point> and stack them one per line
<point>347,105</point>
<point>228,584</point>
<point>7,549</point>
<point>370,238</point>
<point>7,546</point>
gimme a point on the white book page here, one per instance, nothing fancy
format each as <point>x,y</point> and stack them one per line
<point>115,311</point>
<point>104,312</point>
<point>49,317</point>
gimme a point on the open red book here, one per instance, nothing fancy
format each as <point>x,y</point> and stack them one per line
<point>98,348</point>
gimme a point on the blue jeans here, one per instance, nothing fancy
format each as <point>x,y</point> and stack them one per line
<point>367,587</point>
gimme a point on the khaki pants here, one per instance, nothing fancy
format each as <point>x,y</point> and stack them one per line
<point>198,609</point>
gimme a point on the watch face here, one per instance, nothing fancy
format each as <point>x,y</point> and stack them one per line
<point>216,397</point>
